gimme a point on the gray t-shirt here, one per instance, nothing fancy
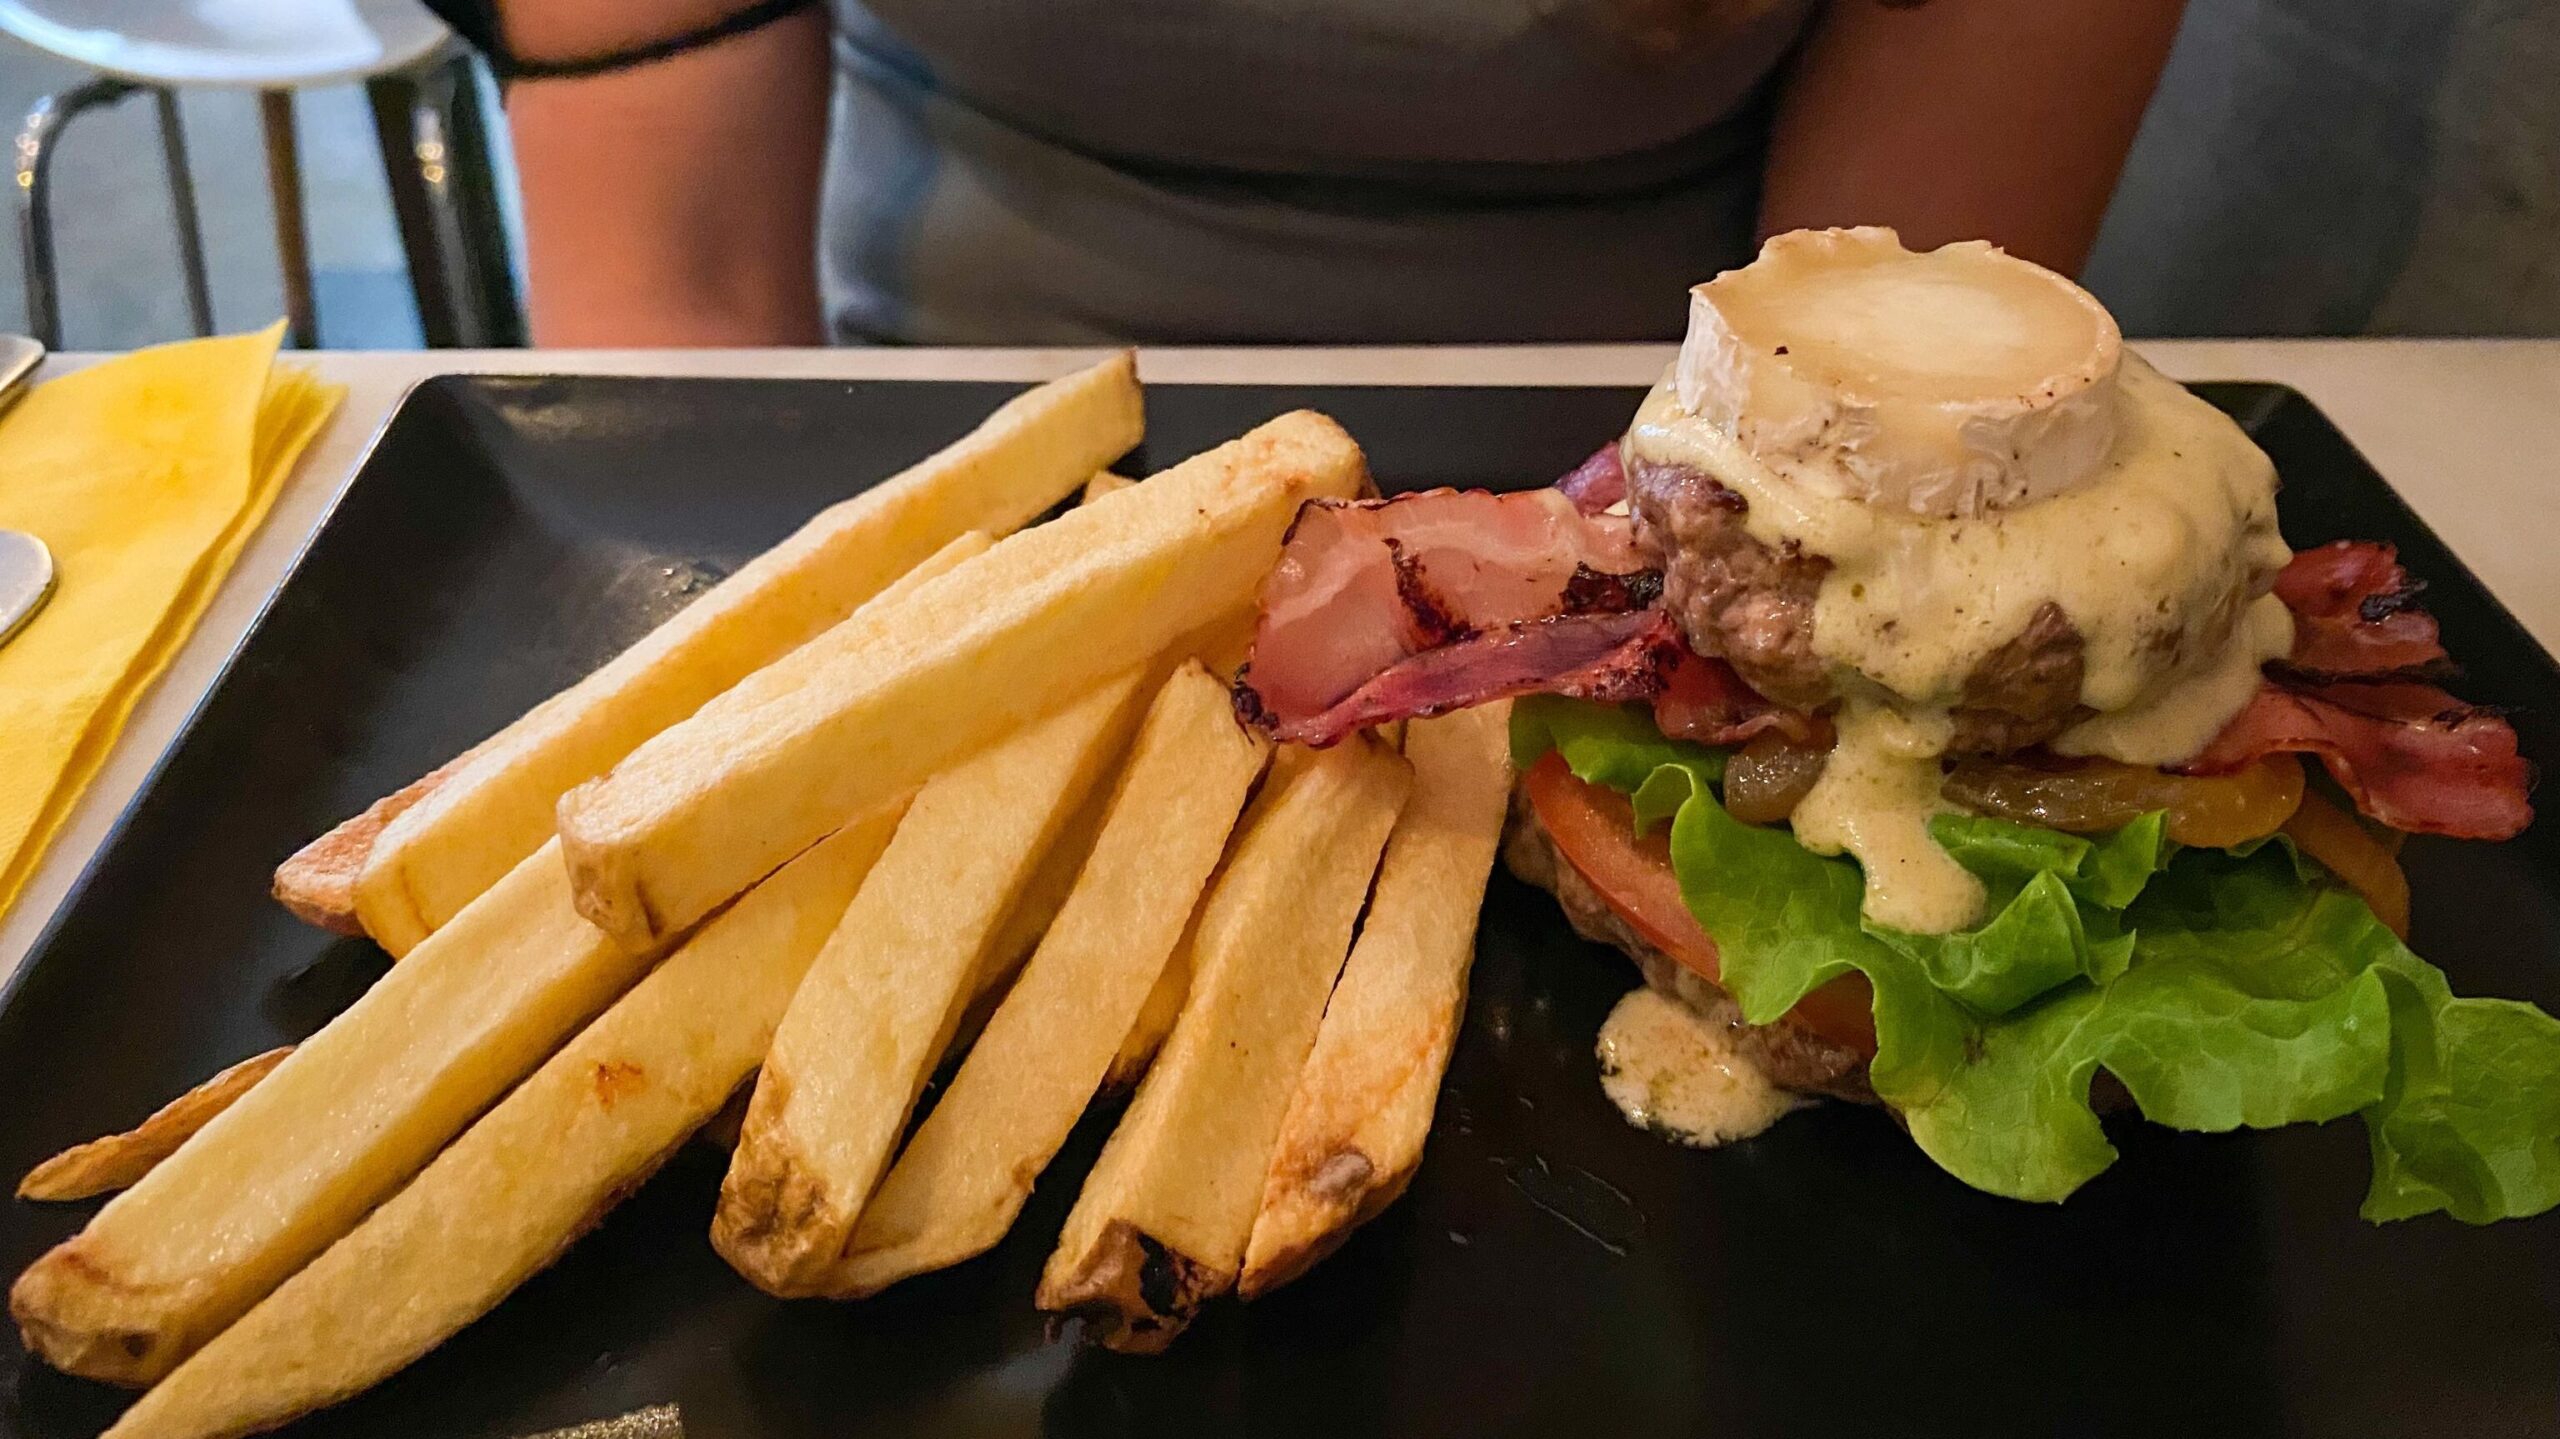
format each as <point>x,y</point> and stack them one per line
<point>1081,171</point>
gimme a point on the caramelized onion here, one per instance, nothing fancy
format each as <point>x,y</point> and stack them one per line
<point>2092,796</point>
<point>1770,776</point>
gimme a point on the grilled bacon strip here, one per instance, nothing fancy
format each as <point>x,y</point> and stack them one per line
<point>2352,694</point>
<point>2356,615</point>
<point>1423,603</point>
<point>1707,702</point>
<point>1598,482</point>
<point>1613,658</point>
<point>2411,755</point>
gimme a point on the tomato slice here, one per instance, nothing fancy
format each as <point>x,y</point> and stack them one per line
<point>1594,830</point>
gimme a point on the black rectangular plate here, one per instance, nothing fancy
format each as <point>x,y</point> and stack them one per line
<point>1552,1271</point>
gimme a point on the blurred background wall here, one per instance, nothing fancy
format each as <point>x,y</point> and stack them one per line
<point>2310,167</point>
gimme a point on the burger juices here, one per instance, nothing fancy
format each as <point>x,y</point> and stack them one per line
<point>1916,692</point>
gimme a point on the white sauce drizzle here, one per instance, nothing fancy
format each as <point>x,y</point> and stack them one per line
<point>2180,716</point>
<point>1874,801</point>
<point>2161,561</point>
<point>1677,1073</point>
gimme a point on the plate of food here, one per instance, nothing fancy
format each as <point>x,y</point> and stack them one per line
<point>1890,898</point>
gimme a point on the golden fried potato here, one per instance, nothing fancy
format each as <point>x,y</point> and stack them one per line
<point>508,1196</point>
<point>117,1161</point>
<point>347,1118</point>
<point>703,809</point>
<point>436,852</point>
<point>877,1011</point>
<point>963,1178</point>
<point>1355,1129</point>
<point>1163,1220</point>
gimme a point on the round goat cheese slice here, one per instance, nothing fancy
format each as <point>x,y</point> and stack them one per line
<point>1948,384</point>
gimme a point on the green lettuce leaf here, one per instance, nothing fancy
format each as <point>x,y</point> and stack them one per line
<point>2222,989</point>
<point>2254,1002</point>
<point>1612,745</point>
<point>2108,871</point>
<point>2469,1120</point>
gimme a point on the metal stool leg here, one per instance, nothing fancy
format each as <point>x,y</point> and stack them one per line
<point>435,154</point>
<point>182,202</point>
<point>406,165</point>
<point>293,240</point>
<point>36,138</point>
<point>480,223</point>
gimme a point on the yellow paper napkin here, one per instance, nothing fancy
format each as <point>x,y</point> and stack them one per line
<point>145,475</point>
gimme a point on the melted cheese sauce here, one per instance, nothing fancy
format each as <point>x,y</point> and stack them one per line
<point>2182,714</point>
<point>1874,801</point>
<point>1672,1071</point>
<point>2161,561</point>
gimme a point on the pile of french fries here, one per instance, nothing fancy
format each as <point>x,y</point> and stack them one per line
<point>919,791</point>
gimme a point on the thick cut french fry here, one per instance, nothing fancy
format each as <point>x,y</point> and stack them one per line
<point>1173,983</point>
<point>1354,1132</point>
<point>876,1012</point>
<point>340,1124</point>
<point>1164,1217</point>
<point>962,1179</point>
<point>1221,646</point>
<point>117,1161</point>
<point>495,805</point>
<point>319,882</point>
<point>1221,639</point>
<point>529,1177</point>
<point>1043,895</point>
<point>702,810</point>
<point>1028,917</point>
<point>1155,1020</point>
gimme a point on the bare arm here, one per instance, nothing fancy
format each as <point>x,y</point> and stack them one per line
<point>675,203</point>
<point>2005,120</point>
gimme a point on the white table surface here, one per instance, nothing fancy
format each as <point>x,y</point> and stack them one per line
<point>2468,431</point>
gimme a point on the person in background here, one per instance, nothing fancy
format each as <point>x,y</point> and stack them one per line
<point>770,172</point>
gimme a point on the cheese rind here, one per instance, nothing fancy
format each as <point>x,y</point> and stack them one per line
<point>1949,384</point>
